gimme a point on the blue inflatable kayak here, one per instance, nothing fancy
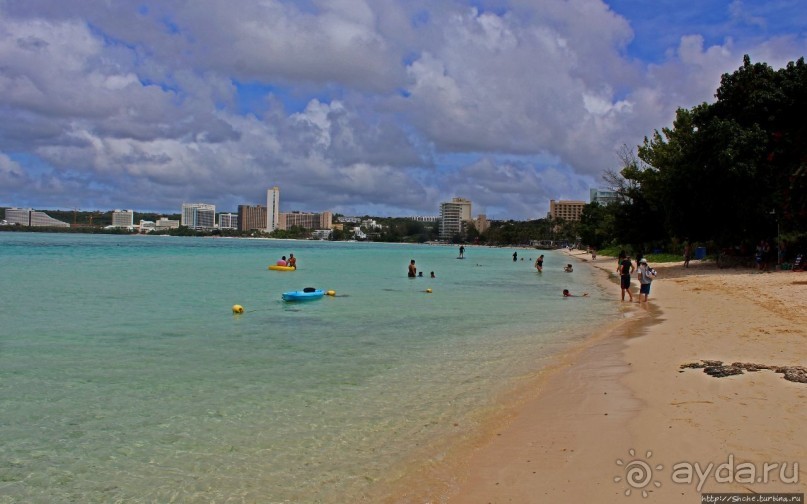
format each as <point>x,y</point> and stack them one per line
<point>303,295</point>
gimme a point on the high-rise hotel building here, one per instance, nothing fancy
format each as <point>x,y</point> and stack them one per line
<point>251,217</point>
<point>199,215</point>
<point>566,210</point>
<point>32,218</point>
<point>123,218</point>
<point>453,216</point>
<point>306,220</point>
<point>228,221</point>
<point>272,209</point>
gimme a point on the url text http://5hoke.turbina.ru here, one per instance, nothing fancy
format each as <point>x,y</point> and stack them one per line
<point>752,498</point>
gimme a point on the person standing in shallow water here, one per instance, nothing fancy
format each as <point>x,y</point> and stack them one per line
<point>539,264</point>
<point>515,256</point>
<point>646,276</point>
<point>413,271</point>
<point>625,270</point>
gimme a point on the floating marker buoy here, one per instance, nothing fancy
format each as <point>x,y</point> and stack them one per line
<point>429,291</point>
<point>237,308</point>
<point>331,293</point>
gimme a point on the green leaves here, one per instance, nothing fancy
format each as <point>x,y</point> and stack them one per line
<point>723,167</point>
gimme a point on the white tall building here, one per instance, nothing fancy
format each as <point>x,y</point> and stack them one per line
<point>603,196</point>
<point>228,221</point>
<point>32,218</point>
<point>453,217</point>
<point>272,209</point>
<point>162,224</point>
<point>123,218</point>
<point>199,215</point>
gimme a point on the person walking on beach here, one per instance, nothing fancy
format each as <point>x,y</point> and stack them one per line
<point>539,264</point>
<point>413,271</point>
<point>687,254</point>
<point>646,276</point>
<point>625,270</point>
<point>462,252</point>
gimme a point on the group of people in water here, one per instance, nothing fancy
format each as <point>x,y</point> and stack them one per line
<point>413,271</point>
<point>291,262</point>
<point>625,268</point>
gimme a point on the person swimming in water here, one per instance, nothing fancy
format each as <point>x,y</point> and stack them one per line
<point>566,294</point>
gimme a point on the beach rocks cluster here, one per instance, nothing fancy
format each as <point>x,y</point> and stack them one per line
<point>718,369</point>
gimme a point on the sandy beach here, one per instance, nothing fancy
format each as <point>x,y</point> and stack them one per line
<point>618,418</point>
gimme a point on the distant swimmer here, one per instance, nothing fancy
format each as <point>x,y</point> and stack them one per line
<point>539,263</point>
<point>515,256</point>
<point>292,262</point>
<point>566,294</point>
<point>420,274</point>
<point>413,271</point>
<point>282,261</point>
<point>462,252</point>
<point>432,275</point>
<point>568,268</point>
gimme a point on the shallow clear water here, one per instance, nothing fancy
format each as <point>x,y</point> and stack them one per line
<point>125,377</point>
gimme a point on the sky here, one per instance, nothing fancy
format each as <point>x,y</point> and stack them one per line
<point>376,107</point>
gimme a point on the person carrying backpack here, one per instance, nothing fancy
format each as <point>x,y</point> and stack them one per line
<point>646,276</point>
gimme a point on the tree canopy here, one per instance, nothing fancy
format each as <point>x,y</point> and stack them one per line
<point>727,172</point>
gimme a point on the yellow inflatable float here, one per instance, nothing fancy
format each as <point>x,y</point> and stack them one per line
<point>275,267</point>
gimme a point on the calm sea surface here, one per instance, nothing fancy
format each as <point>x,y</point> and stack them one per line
<point>125,377</point>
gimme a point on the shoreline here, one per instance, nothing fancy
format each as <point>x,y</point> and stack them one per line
<point>433,479</point>
<point>623,389</point>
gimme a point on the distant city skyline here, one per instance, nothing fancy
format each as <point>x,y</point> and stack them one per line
<point>359,108</point>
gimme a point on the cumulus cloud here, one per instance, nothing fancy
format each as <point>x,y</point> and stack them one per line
<point>381,105</point>
<point>12,176</point>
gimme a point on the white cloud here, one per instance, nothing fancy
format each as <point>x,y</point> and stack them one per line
<point>136,104</point>
<point>12,176</point>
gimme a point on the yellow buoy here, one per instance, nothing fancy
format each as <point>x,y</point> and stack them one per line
<point>331,293</point>
<point>429,291</point>
<point>238,308</point>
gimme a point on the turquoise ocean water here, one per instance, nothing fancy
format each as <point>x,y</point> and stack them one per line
<point>125,377</point>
